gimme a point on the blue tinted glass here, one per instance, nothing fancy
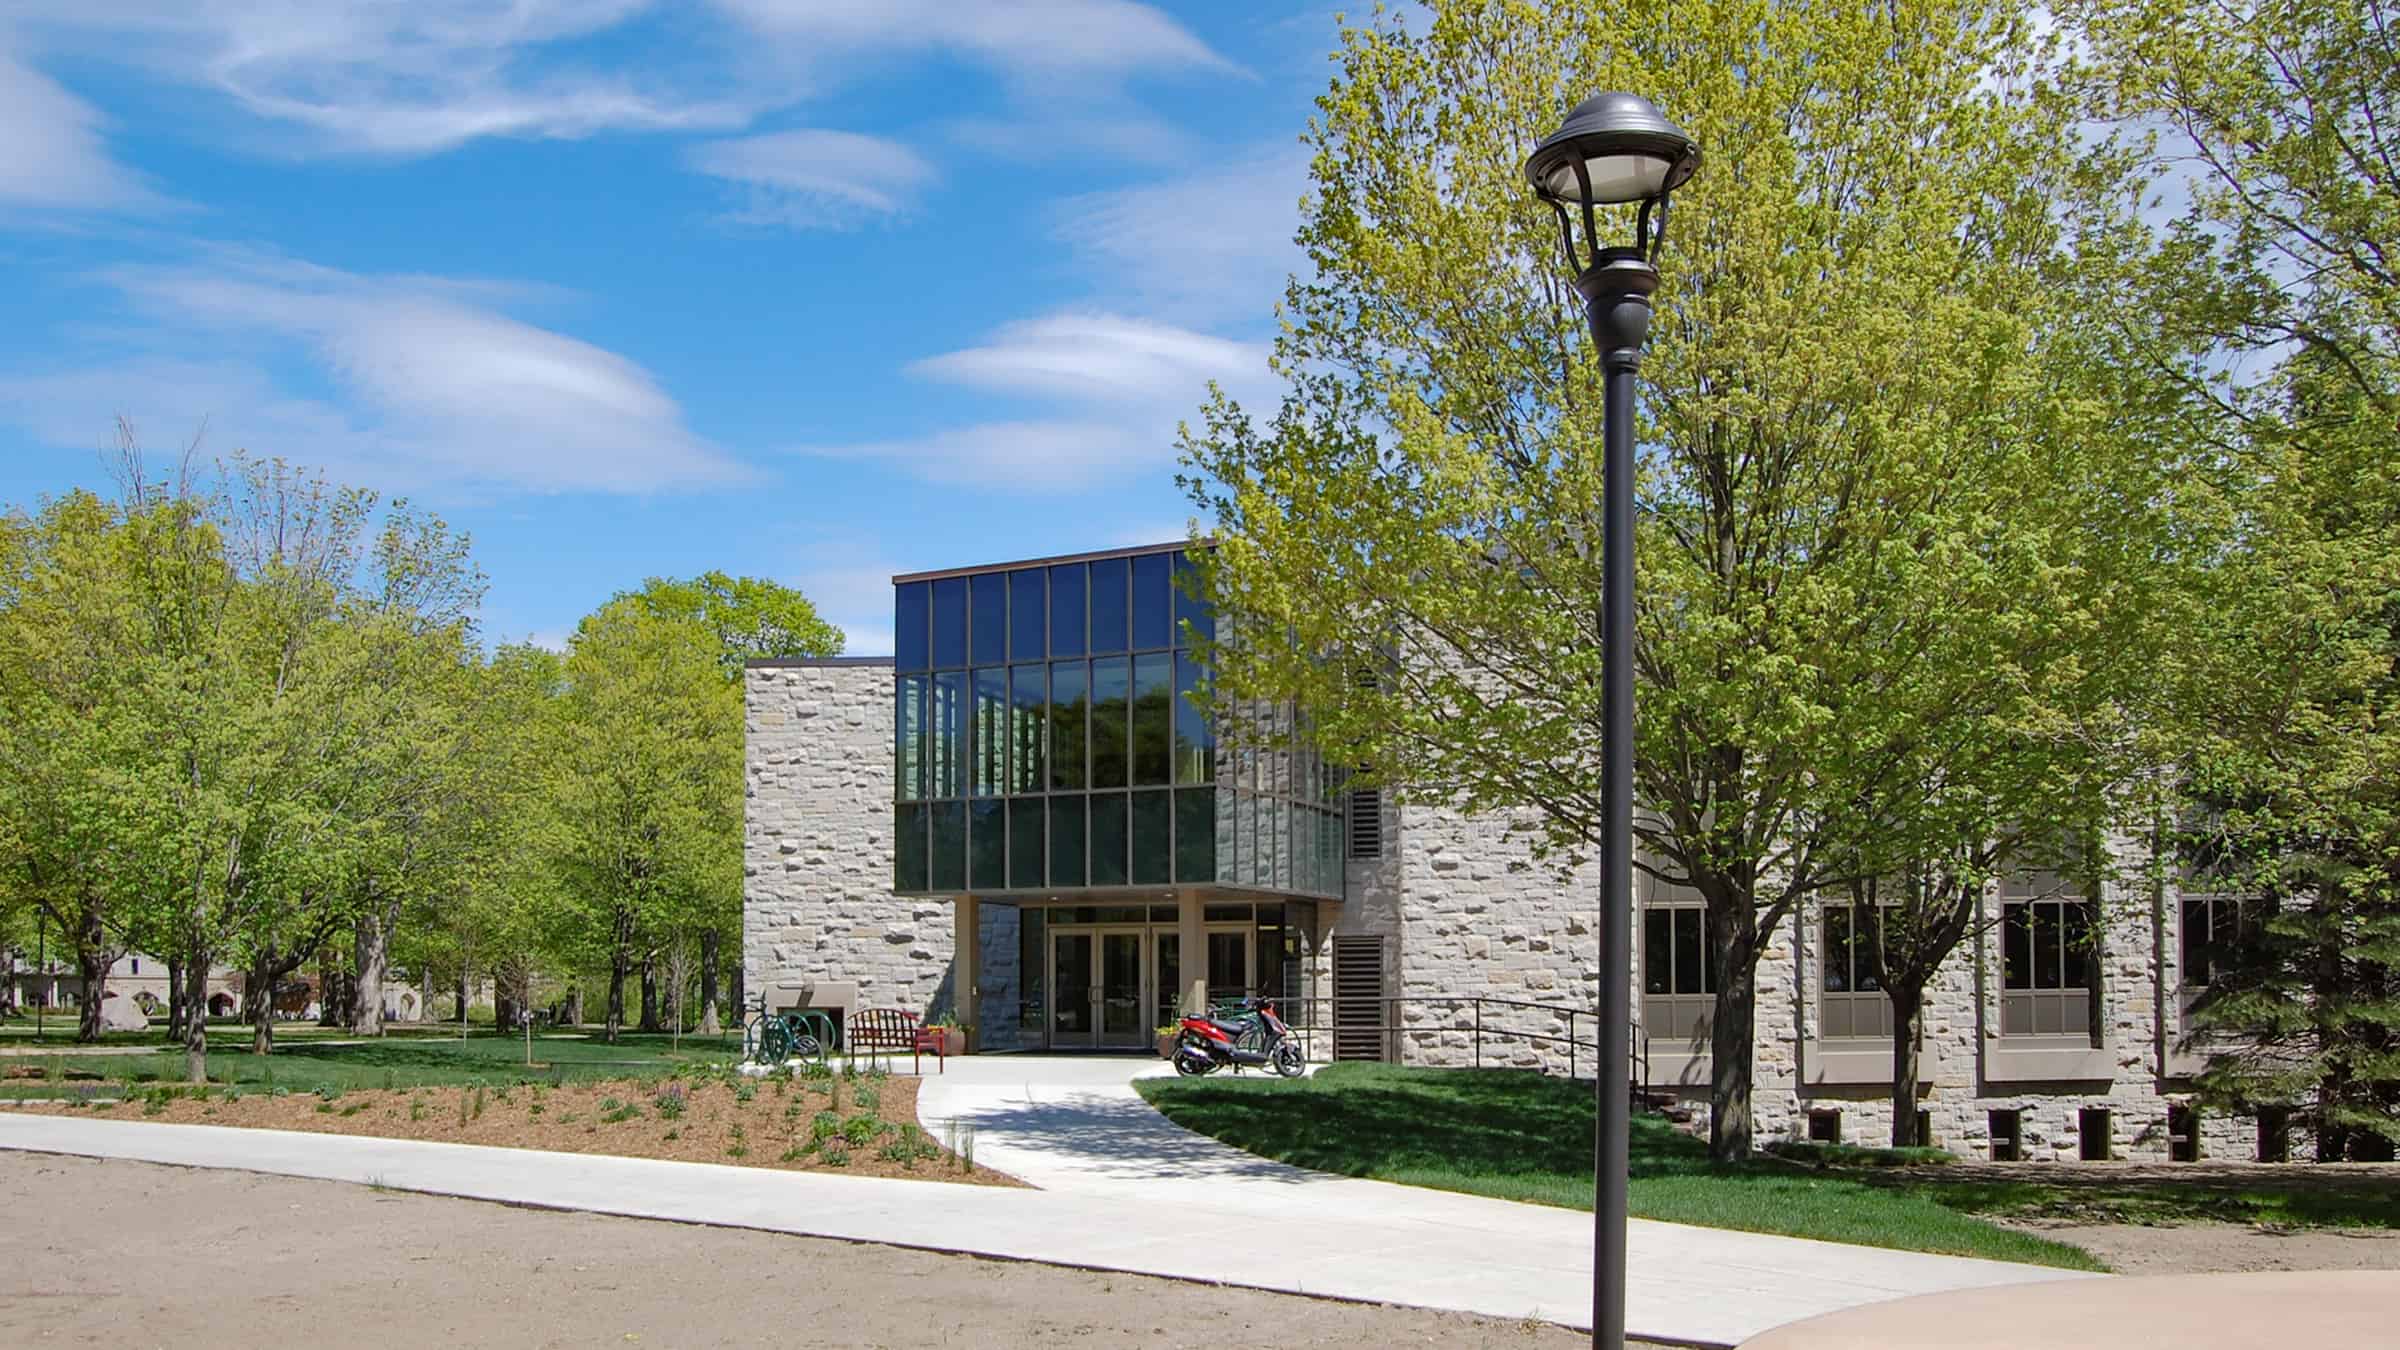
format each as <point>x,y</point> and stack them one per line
<point>988,618</point>
<point>950,623</point>
<point>1028,616</point>
<point>1066,609</point>
<point>910,617</point>
<point>1153,607</point>
<point>1193,618</point>
<point>1108,606</point>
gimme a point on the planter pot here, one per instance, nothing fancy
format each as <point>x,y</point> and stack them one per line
<point>1166,1043</point>
<point>954,1040</point>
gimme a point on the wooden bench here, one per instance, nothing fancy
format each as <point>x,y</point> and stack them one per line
<point>890,1030</point>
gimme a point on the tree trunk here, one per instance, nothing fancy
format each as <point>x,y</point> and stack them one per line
<point>195,1020</point>
<point>92,964</point>
<point>262,1008</point>
<point>179,1004</point>
<point>617,968</point>
<point>1732,1030</point>
<point>1908,1020</point>
<point>650,991</point>
<point>464,994</point>
<point>739,994</point>
<point>372,936</point>
<point>574,1008</point>
<point>709,942</point>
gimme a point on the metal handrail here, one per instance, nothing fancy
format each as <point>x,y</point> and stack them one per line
<point>1302,1015</point>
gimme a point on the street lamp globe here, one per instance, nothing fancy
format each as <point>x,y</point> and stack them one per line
<point>1614,150</point>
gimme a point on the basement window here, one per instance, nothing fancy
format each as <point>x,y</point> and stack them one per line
<point>2008,1136</point>
<point>1825,1127</point>
<point>2183,1132</point>
<point>2092,1124</point>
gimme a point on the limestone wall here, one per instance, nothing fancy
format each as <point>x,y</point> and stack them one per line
<point>817,902</point>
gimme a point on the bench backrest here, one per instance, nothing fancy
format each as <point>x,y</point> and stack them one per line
<point>895,1027</point>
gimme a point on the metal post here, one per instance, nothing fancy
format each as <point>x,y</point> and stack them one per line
<point>1479,1033</point>
<point>1616,292</point>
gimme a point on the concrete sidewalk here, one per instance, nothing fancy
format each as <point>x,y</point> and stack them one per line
<point>1126,1191</point>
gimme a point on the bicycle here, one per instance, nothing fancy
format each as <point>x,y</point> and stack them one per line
<point>779,1038</point>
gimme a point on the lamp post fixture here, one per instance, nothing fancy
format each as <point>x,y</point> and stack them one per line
<point>1615,150</point>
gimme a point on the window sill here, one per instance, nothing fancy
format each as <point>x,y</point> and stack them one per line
<point>2047,1059</point>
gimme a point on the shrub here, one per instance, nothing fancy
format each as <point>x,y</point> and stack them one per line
<point>670,1101</point>
<point>745,1091</point>
<point>826,1126</point>
<point>837,1153</point>
<point>867,1097</point>
<point>863,1129</point>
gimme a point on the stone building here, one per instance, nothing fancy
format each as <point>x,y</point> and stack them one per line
<point>1017,821</point>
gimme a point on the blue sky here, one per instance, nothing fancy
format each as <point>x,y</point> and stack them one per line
<point>820,290</point>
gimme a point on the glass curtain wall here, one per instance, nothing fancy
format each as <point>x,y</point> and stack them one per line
<point>1046,740</point>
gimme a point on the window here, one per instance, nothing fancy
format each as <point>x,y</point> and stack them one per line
<point>1067,609</point>
<point>2183,1132</point>
<point>2092,1129</point>
<point>989,754</point>
<point>1028,731</point>
<point>1854,1003</point>
<point>912,626</point>
<point>1678,986</point>
<point>1825,1126</point>
<point>949,623</point>
<point>1924,1134</point>
<point>1153,715</point>
<point>1028,615</point>
<point>1109,606</point>
<point>1111,679</point>
<point>1153,601</point>
<point>1070,713</point>
<point>2008,1137</point>
<point>2215,938</point>
<point>1195,736</point>
<point>987,618</point>
<point>2048,935</point>
<point>2274,1134</point>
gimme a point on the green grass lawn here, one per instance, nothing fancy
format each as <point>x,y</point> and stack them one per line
<point>399,1061</point>
<point>1523,1136</point>
<point>2291,1196</point>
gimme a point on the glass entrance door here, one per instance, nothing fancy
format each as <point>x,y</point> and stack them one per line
<point>1122,1007</point>
<point>1073,1002</point>
<point>1100,997</point>
<point>1229,974</point>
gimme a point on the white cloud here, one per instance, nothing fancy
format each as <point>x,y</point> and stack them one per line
<point>1100,358</point>
<point>1124,384</point>
<point>1031,39</point>
<point>436,388</point>
<point>1213,244</point>
<point>389,78</point>
<point>51,154</point>
<point>814,178</point>
<point>854,597</point>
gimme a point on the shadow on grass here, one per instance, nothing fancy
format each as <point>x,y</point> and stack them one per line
<point>2358,1196</point>
<point>1518,1135</point>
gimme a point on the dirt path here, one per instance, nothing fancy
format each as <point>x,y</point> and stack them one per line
<point>2196,1248</point>
<point>134,1254</point>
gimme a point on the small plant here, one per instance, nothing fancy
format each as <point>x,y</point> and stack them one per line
<point>836,1153</point>
<point>416,1109</point>
<point>353,1109</point>
<point>479,1101</point>
<point>462,1109</point>
<point>862,1129</point>
<point>620,1113</point>
<point>745,1091</point>
<point>610,1104</point>
<point>825,1126</point>
<point>390,1080</point>
<point>324,1108</point>
<point>672,1135</point>
<point>793,1154</point>
<point>966,1148</point>
<point>867,1098</point>
<point>670,1101</point>
<point>740,1148</point>
<point>816,1071</point>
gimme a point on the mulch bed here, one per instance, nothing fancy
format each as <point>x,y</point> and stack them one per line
<point>776,1126</point>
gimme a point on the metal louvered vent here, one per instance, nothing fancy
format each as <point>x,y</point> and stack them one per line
<point>1358,998</point>
<point>1366,824</point>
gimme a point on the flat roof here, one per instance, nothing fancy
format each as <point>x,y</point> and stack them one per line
<point>1138,550</point>
<point>783,662</point>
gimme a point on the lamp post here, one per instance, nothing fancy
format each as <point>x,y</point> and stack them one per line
<point>1615,150</point>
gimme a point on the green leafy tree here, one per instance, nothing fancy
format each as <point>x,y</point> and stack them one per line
<point>649,772</point>
<point>2273,309</point>
<point>1849,386</point>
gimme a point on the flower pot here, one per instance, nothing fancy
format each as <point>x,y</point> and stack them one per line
<point>954,1040</point>
<point>1166,1043</point>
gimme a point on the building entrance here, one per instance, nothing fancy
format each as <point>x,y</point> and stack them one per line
<point>1114,986</point>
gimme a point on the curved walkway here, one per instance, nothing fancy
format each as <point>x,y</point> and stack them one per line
<point>1124,1189</point>
<point>1075,1126</point>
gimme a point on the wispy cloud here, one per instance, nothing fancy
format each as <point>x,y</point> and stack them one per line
<point>51,153</point>
<point>394,79</point>
<point>432,385</point>
<point>814,178</point>
<point>1118,387</point>
<point>1029,39</point>
<point>1211,244</point>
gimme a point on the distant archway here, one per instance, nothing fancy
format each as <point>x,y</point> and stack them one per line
<point>220,1005</point>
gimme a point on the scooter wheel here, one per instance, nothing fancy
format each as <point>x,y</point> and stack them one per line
<point>1190,1067</point>
<point>1288,1060</point>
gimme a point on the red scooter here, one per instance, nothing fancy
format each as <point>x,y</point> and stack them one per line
<point>1257,1039</point>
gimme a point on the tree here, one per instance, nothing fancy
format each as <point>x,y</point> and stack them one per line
<point>750,618</point>
<point>649,777</point>
<point>1850,336</point>
<point>2273,310</point>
